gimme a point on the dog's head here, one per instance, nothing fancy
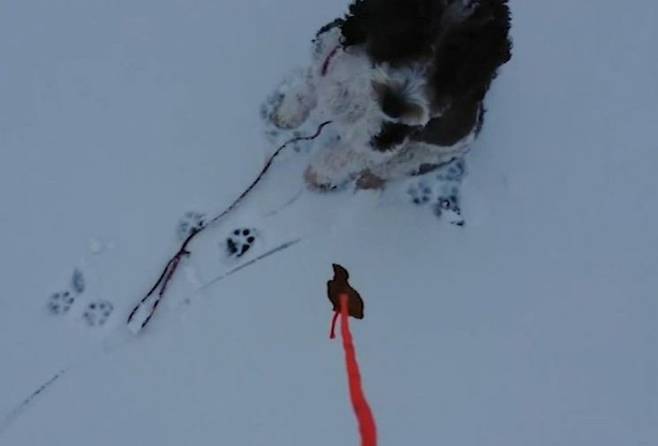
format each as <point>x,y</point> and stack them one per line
<point>393,31</point>
<point>426,55</point>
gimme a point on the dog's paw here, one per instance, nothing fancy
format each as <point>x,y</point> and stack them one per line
<point>317,184</point>
<point>288,107</point>
<point>270,106</point>
<point>97,313</point>
<point>369,181</point>
<point>240,242</point>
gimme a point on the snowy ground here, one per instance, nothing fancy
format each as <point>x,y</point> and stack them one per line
<point>535,324</point>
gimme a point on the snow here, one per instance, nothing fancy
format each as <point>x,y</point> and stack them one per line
<point>533,324</point>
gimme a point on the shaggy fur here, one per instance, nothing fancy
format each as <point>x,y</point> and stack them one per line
<point>404,80</point>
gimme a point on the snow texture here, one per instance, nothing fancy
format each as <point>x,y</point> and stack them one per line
<point>533,324</point>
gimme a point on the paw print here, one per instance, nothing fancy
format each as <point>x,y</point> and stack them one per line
<point>60,302</point>
<point>448,206</point>
<point>97,313</point>
<point>453,171</point>
<point>240,241</point>
<point>420,193</point>
<point>78,282</point>
<point>441,191</point>
<point>189,222</point>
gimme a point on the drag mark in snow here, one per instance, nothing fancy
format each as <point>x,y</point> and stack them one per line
<point>157,292</point>
<point>279,248</point>
<point>28,401</point>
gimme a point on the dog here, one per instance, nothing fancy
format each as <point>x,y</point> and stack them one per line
<point>403,83</point>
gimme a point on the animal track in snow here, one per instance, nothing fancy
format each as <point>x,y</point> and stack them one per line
<point>240,241</point>
<point>60,302</point>
<point>97,312</point>
<point>188,222</point>
<point>440,190</point>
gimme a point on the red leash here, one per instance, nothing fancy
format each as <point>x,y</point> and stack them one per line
<point>332,333</point>
<point>325,65</point>
<point>361,407</point>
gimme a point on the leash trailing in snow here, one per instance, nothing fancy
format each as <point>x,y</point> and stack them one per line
<point>35,395</point>
<point>157,292</point>
<point>276,249</point>
<point>347,302</point>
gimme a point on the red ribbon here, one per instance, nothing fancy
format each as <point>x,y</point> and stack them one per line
<point>361,407</point>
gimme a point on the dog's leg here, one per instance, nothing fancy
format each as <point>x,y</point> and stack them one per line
<point>334,165</point>
<point>290,104</point>
<point>417,158</point>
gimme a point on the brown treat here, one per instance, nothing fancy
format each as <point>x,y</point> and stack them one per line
<point>340,285</point>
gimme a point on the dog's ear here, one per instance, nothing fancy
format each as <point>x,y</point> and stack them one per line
<point>393,31</point>
<point>402,94</point>
<point>390,100</point>
<point>354,27</point>
<point>396,103</point>
<point>328,27</point>
<point>469,52</point>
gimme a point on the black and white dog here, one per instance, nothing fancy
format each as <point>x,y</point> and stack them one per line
<point>403,83</point>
